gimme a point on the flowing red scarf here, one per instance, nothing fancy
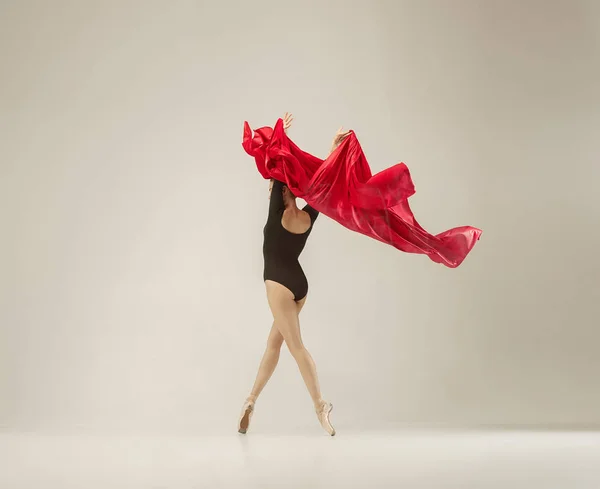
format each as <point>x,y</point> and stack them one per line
<point>342,188</point>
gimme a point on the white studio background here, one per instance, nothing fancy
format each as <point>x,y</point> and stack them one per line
<point>131,266</point>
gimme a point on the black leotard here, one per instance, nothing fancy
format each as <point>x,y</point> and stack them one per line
<point>281,248</point>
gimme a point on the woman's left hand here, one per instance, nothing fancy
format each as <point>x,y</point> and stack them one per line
<point>339,138</point>
<point>287,121</point>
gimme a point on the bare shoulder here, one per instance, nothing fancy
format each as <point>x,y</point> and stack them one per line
<point>296,222</point>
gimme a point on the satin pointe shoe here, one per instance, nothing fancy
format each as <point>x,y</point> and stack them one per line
<point>246,416</point>
<point>323,414</point>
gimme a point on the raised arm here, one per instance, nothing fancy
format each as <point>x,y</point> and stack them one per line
<point>276,200</point>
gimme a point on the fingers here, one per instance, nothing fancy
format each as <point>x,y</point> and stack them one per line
<point>287,120</point>
<point>340,136</point>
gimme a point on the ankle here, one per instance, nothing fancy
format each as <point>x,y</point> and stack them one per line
<point>252,398</point>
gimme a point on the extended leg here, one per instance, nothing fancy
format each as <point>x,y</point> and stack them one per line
<point>268,363</point>
<point>265,371</point>
<point>285,312</point>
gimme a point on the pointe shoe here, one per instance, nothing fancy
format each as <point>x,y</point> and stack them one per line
<point>323,415</point>
<point>246,416</point>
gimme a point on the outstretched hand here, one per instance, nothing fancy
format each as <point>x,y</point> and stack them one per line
<point>287,121</point>
<point>339,138</point>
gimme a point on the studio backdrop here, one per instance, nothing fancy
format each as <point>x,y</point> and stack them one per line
<point>131,293</point>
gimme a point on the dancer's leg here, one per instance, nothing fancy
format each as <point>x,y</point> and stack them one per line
<point>268,363</point>
<point>265,371</point>
<point>270,358</point>
<point>285,312</point>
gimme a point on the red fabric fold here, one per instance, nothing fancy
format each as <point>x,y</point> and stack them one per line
<point>343,188</point>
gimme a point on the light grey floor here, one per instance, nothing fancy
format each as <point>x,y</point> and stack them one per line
<point>378,460</point>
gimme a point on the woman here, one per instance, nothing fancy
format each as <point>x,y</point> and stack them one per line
<point>285,235</point>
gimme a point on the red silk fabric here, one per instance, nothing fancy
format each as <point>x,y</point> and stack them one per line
<point>342,188</point>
